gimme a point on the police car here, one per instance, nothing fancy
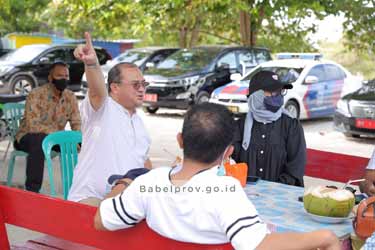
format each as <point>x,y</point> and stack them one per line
<point>317,85</point>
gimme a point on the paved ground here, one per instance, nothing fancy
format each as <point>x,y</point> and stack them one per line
<point>163,128</point>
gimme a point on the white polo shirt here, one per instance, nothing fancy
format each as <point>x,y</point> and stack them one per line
<point>113,142</point>
<point>371,164</point>
<point>197,214</point>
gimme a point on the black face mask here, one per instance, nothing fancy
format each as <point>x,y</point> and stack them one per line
<point>60,84</point>
<point>273,103</point>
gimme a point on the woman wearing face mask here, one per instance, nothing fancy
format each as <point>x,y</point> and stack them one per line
<point>270,141</point>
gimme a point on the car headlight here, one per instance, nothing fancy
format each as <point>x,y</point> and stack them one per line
<point>5,69</point>
<point>214,96</point>
<point>343,107</point>
<point>190,80</point>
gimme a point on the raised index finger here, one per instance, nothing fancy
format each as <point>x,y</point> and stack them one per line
<point>88,40</point>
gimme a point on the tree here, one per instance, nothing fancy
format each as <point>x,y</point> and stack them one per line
<point>359,24</point>
<point>21,16</point>
<point>277,24</point>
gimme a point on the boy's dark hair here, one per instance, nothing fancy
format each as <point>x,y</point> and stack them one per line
<point>114,75</point>
<point>207,131</point>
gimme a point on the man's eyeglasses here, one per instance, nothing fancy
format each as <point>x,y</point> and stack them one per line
<point>137,84</point>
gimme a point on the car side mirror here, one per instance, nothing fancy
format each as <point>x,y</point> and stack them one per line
<point>222,67</point>
<point>150,65</point>
<point>235,77</point>
<point>44,60</point>
<point>311,79</point>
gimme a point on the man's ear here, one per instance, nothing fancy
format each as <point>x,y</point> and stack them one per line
<point>229,152</point>
<point>180,141</point>
<point>113,87</point>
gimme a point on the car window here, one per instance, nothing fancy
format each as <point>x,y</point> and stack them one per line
<point>102,55</point>
<point>262,55</point>
<point>23,54</point>
<point>70,58</point>
<point>229,59</point>
<point>246,57</point>
<point>188,59</point>
<point>333,72</point>
<point>136,57</point>
<point>252,73</point>
<point>318,71</point>
<point>55,55</point>
<point>286,74</point>
<point>160,57</point>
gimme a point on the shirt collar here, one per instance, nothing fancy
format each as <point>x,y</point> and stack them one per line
<point>124,109</point>
<point>53,92</point>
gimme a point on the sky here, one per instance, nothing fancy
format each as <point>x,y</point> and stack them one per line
<point>329,29</point>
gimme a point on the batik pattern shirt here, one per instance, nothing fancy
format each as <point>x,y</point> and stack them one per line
<point>46,111</point>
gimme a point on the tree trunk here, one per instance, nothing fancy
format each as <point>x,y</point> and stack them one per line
<point>195,33</point>
<point>255,24</point>
<point>253,35</point>
<point>183,37</point>
<point>245,27</point>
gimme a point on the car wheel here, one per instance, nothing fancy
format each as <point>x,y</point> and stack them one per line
<point>293,108</point>
<point>22,85</point>
<point>151,110</point>
<point>203,97</point>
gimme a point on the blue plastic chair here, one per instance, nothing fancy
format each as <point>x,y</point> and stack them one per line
<point>13,114</point>
<point>68,141</point>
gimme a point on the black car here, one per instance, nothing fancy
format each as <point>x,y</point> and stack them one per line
<point>190,75</point>
<point>355,113</point>
<point>28,67</point>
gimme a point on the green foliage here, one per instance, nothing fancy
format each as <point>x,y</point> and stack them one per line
<point>21,15</point>
<point>356,61</point>
<point>359,24</point>
<point>276,24</point>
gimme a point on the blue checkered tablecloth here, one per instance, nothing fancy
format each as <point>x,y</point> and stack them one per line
<point>279,207</point>
<point>370,243</point>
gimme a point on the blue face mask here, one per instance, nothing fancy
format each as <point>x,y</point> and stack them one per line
<point>221,170</point>
<point>273,103</point>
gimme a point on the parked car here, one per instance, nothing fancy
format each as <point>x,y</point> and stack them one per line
<point>28,67</point>
<point>4,51</point>
<point>355,113</point>
<point>190,75</point>
<point>317,86</point>
<point>142,57</point>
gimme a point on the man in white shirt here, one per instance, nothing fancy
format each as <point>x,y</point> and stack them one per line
<point>368,186</point>
<point>193,202</point>
<point>114,137</point>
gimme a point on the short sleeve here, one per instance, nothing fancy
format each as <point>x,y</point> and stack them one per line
<point>88,113</point>
<point>371,164</point>
<point>240,220</point>
<point>124,210</point>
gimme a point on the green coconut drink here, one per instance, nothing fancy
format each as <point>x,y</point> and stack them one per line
<point>330,202</point>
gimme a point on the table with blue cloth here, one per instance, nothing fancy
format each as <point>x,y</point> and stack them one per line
<point>278,206</point>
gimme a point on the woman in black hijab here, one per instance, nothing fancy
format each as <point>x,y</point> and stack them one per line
<point>270,141</point>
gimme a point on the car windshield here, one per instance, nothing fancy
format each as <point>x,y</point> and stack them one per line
<point>285,74</point>
<point>368,88</point>
<point>262,55</point>
<point>189,60</point>
<point>136,57</point>
<point>23,54</point>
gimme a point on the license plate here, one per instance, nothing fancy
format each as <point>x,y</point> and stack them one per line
<point>365,123</point>
<point>234,109</point>
<point>150,97</point>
